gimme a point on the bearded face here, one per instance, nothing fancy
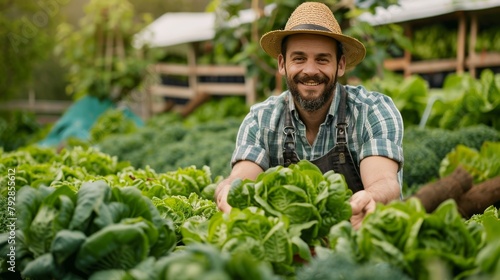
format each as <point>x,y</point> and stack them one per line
<point>308,101</point>
<point>311,64</point>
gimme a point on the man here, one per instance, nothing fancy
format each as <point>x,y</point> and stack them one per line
<point>348,129</point>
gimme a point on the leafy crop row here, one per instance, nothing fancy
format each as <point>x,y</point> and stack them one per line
<point>81,219</point>
<point>461,102</point>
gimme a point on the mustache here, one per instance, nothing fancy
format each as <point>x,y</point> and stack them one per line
<point>307,78</point>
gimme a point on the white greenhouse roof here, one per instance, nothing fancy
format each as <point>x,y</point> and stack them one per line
<point>408,10</point>
<point>178,28</point>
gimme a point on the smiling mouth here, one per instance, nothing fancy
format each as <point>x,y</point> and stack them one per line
<point>310,83</point>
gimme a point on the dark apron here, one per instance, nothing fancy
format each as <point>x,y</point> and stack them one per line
<point>338,159</point>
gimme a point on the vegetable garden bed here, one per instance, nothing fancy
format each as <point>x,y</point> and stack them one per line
<point>83,214</point>
<point>137,203</point>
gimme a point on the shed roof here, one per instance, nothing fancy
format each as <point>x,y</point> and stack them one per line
<point>409,10</point>
<point>178,28</point>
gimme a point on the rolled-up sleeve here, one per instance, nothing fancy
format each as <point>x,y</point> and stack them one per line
<point>250,143</point>
<point>385,130</point>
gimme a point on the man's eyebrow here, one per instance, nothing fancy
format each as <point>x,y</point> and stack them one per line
<point>317,55</point>
<point>324,55</point>
<point>297,53</point>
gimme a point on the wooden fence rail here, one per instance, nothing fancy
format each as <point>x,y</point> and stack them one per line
<point>47,111</point>
<point>198,83</point>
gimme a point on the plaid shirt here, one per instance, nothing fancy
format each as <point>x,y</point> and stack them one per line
<point>375,127</point>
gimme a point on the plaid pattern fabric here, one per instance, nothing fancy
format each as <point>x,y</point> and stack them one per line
<point>375,127</point>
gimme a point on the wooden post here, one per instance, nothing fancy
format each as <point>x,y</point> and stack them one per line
<point>31,99</point>
<point>250,88</point>
<point>472,45</point>
<point>193,76</point>
<point>461,43</point>
<point>407,54</point>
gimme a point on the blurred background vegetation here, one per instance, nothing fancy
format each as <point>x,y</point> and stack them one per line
<point>28,38</point>
<point>29,63</point>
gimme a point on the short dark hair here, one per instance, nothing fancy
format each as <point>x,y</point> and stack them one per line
<point>284,42</point>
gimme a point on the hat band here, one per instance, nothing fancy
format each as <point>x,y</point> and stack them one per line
<point>311,27</point>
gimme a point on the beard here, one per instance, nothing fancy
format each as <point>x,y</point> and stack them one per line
<point>315,104</point>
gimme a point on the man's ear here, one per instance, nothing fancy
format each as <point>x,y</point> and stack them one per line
<point>341,66</point>
<point>281,65</point>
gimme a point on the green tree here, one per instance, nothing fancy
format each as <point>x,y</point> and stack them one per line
<point>26,38</point>
<point>240,43</point>
<point>100,52</point>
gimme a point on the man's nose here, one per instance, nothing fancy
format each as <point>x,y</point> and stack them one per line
<point>310,68</point>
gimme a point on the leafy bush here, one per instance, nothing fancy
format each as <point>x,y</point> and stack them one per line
<point>110,72</point>
<point>424,149</point>
<point>62,233</point>
<point>168,141</point>
<point>204,261</point>
<point>112,121</point>
<point>421,165</point>
<point>312,202</point>
<point>467,101</point>
<point>488,256</point>
<point>482,164</point>
<point>18,129</point>
<point>332,266</point>
<point>405,236</point>
<point>249,230</point>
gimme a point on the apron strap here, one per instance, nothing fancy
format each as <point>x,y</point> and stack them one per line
<point>341,125</point>
<point>343,161</point>
<point>289,154</point>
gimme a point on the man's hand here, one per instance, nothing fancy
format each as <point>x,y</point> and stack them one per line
<point>362,203</point>
<point>244,170</point>
<point>379,176</point>
<point>221,193</point>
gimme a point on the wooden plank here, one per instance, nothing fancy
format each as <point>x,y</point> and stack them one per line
<point>173,69</point>
<point>200,70</point>
<point>395,64</point>
<point>38,106</point>
<point>47,119</point>
<point>223,89</point>
<point>484,59</point>
<point>220,70</point>
<point>172,91</point>
<point>432,66</point>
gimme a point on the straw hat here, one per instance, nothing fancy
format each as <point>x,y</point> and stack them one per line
<point>314,18</point>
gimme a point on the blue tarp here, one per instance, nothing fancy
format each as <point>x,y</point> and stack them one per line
<point>79,118</point>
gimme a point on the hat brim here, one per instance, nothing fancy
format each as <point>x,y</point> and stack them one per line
<point>354,50</point>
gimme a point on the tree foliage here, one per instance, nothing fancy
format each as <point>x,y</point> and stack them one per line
<point>100,54</point>
<point>25,39</point>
